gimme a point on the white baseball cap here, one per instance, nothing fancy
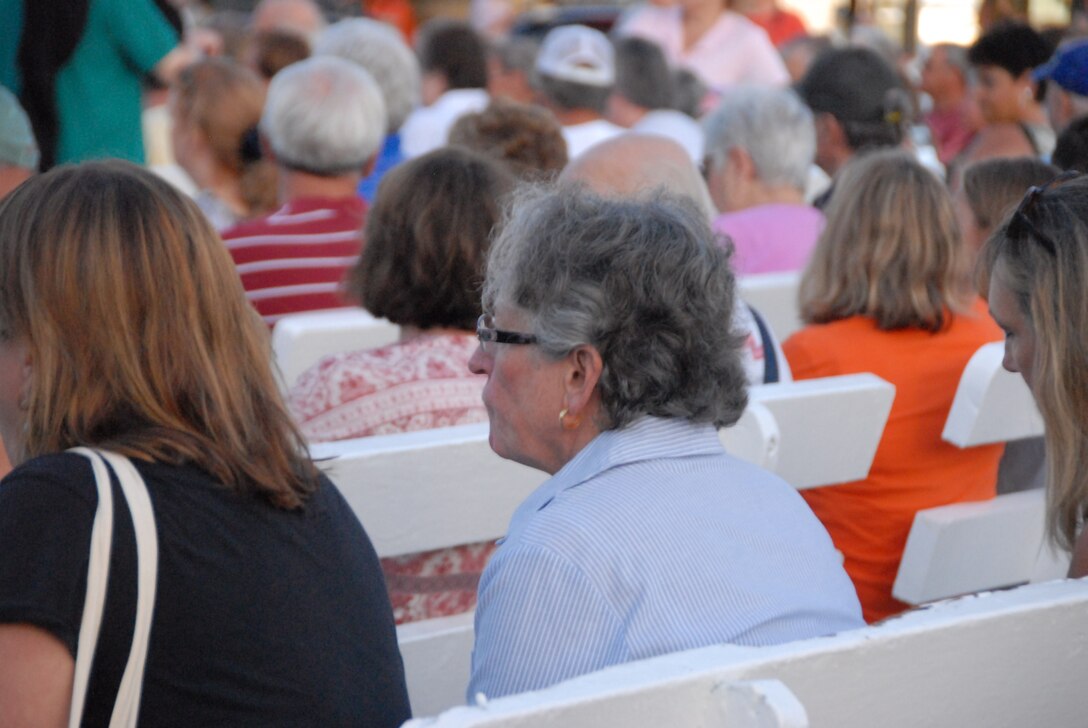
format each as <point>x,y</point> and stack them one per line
<point>578,54</point>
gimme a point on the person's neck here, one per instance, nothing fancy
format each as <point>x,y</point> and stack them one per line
<point>409,332</point>
<point>948,100</point>
<point>295,184</point>
<point>757,194</point>
<point>224,185</point>
<point>697,20</point>
<point>572,117</point>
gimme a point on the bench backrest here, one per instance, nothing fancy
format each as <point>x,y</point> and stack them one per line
<point>300,340</point>
<point>774,295</point>
<point>1007,658</point>
<point>991,404</point>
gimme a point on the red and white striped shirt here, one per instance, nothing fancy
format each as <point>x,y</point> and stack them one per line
<point>295,259</point>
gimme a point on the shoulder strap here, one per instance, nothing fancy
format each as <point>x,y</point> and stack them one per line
<point>127,705</point>
<point>770,358</point>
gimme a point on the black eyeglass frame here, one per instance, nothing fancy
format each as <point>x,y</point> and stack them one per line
<point>488,334</point>
<point>1020,225</point>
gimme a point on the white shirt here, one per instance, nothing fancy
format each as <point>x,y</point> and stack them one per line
<point>581,137</point>
<point>733,51</point>
<point>428,127</point>
<point>677,126</point>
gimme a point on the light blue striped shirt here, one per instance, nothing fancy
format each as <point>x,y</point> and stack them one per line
<point>652,540</point>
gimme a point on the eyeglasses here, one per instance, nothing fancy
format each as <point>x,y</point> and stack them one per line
<point>488,334</point>
<point>1020,224</point>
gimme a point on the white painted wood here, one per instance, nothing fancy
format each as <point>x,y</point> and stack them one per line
<point>991,405</point>
<point>774,295</point>
<point>426,490</point>
<point>828,429</point>
<point>968,547</point>
<point>437,654</point>
<point>300,340</point>
<point>1011,658</point>
<point>755,437</point>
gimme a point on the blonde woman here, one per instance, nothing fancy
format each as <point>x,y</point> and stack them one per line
<point>215,105</point>
<point>887,291</point>
<point>123,326</point>
<point>1036,264</point>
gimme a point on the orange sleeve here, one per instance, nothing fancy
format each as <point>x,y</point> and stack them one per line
<point>808,352</point>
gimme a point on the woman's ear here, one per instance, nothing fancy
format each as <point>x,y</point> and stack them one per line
<point>583,374</point>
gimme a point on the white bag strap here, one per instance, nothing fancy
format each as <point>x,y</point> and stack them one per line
<point>127,705</point>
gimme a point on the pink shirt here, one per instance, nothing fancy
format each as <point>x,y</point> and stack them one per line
<point>734,51</point>
<point>771,238</point>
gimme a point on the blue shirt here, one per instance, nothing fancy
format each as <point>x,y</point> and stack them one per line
<point>389,156</point>
<point>652,540</point>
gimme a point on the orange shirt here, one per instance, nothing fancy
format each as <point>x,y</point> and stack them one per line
<point>913,468</point>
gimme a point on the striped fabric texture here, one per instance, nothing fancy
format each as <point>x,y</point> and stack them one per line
<point>295,259</point>
<point>652,540</point>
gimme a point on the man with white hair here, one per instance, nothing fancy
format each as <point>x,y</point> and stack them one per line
<point>323,124</point>
<point>638,164</point>
<point>381,51</point>
<point>761,143</point>
<point>576,72</point>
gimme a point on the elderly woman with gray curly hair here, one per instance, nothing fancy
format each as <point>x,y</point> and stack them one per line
<point>610,364</point>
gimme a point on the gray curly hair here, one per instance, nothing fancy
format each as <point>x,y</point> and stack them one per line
<point>641,281</point>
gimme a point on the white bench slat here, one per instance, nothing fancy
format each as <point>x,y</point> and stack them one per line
<point>968,547</point>
<point>826,431</point>
<point>437,654</point>
<point>300,340</point>
<point>774,295</point>
<point>426,490</point>
<point>991,405</point>
<point>970,661</point>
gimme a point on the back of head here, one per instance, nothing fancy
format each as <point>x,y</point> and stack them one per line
<point>223,100</point>
<point>636,165</point>
<point>271,51</point>
<point>526,138</point>
<point>772,125</point>
<point>643,76</point>
<point>380,50</point>
<point>641,281</point>
<point>139,334</point>
<point>1015,47</point>
<point>324,116</point>
<point>454,50</point>
<point>891,249</point>
<point>1071,150</point>
<point>1040,253</point>
<point>427,236</point>
<point>863,92</point>
<point>993,187</point>
<point>575,68</point>
<point>302,18</point>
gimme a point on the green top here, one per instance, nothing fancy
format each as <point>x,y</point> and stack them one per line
<point>99,89</point>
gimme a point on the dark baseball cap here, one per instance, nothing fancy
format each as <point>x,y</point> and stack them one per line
<point>1068,68</point>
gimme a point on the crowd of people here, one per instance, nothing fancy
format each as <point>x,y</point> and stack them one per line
<point>556,221</point>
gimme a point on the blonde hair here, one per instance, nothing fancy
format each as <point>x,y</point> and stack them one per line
<point>223,101</point>
<point>891,249</point>
<point>139,335</point>
<point>1050,288</point>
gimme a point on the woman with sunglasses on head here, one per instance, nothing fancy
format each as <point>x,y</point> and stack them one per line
<point>888,291</point>
<point>123,326</point>
<point>1036,266</point>
<point>610,365</point>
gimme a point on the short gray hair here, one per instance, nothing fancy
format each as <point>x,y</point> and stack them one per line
<point>643,282</point>
<point>772,125</point>
<point>572,95</point>
<point>324,115</point>
<point>380,50</point>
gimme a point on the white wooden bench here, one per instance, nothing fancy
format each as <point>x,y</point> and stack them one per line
<point>1013,658</point>
<point>774,295</point>
<point>300,340</point>
<point>968,547</point>
<point>438,488</point>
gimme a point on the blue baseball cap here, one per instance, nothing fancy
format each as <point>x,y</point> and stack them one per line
<point>1068,68</point>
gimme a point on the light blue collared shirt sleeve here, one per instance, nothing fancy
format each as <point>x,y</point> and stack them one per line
<point>539,620</point>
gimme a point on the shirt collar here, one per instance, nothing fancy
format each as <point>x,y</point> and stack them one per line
<point>647,438</point>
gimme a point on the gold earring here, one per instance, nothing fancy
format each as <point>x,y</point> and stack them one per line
<point>573,423</point>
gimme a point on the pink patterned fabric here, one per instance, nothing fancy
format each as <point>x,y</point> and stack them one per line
<point>417,384</point>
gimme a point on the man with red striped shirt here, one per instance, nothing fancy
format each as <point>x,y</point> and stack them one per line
<point>323,124</point>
